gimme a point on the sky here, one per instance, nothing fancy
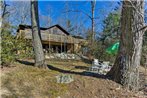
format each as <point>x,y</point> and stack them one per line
<point>55,11</point>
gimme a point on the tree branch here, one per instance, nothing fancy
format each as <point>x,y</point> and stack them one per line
<point>4,12</point>
<point>78,11</point>
<point>144,28</point>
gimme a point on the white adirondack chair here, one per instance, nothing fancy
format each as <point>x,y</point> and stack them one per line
<point>95,62</point>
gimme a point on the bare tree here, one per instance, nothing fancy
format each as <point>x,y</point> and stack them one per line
<point>93,3</point>
<point>3,6</point>
<point>91,16</point>
<point>37,45</point>
<point>45,21</point>
<point>20,13</point>
<point>4,12</point>
<point>125,69</point>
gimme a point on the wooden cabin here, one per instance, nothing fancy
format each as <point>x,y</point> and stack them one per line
<point>54,39</point>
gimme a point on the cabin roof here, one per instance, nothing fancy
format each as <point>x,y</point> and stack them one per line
<point>22,27</point>
<point>79,37</point>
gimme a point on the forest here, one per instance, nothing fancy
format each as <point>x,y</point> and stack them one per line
<point>73,49</point>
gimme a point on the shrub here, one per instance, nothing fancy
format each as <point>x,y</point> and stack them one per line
<point>24,48</point>
<point>8,47</point>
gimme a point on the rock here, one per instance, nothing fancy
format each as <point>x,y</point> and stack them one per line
<point>64,78</point>
<point>118,88</point>
<point>63,56</point>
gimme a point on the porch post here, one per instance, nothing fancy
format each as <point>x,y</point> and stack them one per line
<point>49,43</point>
<point>61,44</point>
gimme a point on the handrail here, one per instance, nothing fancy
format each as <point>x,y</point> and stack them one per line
<point>56,38</point>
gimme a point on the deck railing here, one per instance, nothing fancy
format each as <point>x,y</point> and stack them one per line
<point>56,38</point>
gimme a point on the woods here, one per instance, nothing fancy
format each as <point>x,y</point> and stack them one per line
<point>104,41</point>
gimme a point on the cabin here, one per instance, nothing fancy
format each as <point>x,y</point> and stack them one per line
<point>55,39</point>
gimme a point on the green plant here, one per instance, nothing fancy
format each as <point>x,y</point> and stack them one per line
<point>8,47</point>
<point>24,48</point>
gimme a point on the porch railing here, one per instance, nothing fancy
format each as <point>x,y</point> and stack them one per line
<point>56,38</point>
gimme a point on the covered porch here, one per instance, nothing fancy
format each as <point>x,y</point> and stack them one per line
<point>57,47</point>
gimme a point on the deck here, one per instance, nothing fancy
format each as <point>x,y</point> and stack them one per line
<point>56,38</point>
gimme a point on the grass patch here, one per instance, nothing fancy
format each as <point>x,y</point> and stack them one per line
<point>69,64</point>
<point>32,82</point>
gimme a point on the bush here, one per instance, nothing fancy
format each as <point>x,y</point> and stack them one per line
<point>11,45</point>
<point>24,48</point>
<point>100,53</point>
<point>8,47</point>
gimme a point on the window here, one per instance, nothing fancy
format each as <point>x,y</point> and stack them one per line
<point>55,31</point>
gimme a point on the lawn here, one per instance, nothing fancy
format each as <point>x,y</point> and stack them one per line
<point>26,81</point>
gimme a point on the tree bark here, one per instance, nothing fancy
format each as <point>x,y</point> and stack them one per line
<point>92,20</point>
<point>37,44</point>
<point>125,69</point>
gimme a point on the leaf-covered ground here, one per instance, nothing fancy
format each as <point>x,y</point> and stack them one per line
<point>25,81</point>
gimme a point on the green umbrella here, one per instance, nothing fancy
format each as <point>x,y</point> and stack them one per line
<point>113,49</point>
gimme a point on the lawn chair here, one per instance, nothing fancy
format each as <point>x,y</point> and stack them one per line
<point>95,66</point>
<point>95,62</point>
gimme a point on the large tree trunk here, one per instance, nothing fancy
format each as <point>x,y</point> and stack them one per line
<point>93,3</point>
<point>37,45</point>
<point>125,69</point>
